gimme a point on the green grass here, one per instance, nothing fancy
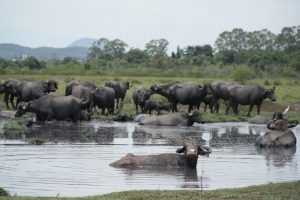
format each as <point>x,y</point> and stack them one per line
<point>287,92</point>
<point>289,190</point>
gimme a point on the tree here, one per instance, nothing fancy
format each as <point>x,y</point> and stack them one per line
<point>108,50</point>
<point>33,63</point>
<point>235,40</point>
<point>157,47</point>
<point>289,39</point>
<point>136,56</point>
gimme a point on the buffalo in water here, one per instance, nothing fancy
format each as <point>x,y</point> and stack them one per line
<point>186,157</point>
<point>50,107</point>
<point>174,119</point>
<point>279,134</point>
<point>120,88</point>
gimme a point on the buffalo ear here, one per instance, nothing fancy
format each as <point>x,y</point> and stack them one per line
<point>191,114</point>
<point>181,150</point>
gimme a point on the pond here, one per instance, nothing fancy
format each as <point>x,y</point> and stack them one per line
<point>74,158</point>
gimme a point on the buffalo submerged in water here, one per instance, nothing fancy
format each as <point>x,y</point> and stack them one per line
<point>174,119</point>
<point>186,157</point>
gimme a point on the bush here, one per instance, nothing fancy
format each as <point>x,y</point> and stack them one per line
<point>3,192</point>
<point>242,74</point>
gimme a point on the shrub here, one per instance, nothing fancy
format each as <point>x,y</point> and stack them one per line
<point>242,73</point>
<point>3,192</point>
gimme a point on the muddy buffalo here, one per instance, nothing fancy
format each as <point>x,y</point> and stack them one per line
<point>186,157</point>
<point>249,95</point>
<point>174,119</point>
<point>139,97</point>
<point>279,134</point>
<point>51,107</point>
<point>120,88</point>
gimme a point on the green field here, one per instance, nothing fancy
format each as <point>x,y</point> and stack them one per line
<point>278,191</point>
<point>287,92</point>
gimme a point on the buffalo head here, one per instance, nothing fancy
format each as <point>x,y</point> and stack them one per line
<point>143,96</point>
<point>195,116</point>
<point>22,108</point>
<point>2,88</point>
<point>191,151</point>
<point>123,117</point>
<point>50,86</point>
<point>270,93</point>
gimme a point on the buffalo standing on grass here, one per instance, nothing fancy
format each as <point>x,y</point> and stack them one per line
<point>50,107</point>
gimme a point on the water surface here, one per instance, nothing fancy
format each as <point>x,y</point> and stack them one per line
<point>74,158</point>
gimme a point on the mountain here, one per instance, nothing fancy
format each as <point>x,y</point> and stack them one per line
<point>12,51</point>
<point>83,42</point>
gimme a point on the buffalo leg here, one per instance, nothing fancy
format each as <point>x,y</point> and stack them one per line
<point>258,108</point>
<point>6,96</point>
<point>250,109</point>
<point>117,103</point>
<point>12,101</point>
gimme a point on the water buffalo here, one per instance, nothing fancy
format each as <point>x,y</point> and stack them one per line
<point>120,88</point>
<point>174,119</point>
<point>260,119</point>
<point>122,117</point>
<point>71,84</point>
<point>187,94</point>
<point>220,90</point>
<point>53,107</point>
<point>84,93</point>
<point>186,157</point>
<point>249,95</point>
<point>163,90</point>
<point>208,101</point>
<point>140,96</point>
<point>155,105</point>
<point>104,98</point>
<point>33,90</point>
<point>11,89</point>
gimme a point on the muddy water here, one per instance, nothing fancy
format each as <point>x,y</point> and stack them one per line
<point>74,158</point>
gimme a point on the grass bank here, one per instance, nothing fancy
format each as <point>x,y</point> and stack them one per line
<point>289,190</point>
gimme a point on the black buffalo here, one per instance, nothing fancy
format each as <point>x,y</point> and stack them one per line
<point>187,94</point>
<point>50,107</point>
<point>84,93</point>
<point>11,89</point>
<point>140,96</point>
<point>163,90</point>
<point>104,98</point>
<point>151,105</point>
<point>71,84</point>
<point>249,95</point>
<point>33,90</point>
<point>120,88</point>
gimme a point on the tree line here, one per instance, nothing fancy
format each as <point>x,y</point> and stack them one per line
<point>258,52</point>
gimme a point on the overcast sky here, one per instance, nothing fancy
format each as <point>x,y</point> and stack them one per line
<point>57,23</point>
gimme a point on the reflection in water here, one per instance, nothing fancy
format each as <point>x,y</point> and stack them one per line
<point>279,156</point>
<point>74,159</point>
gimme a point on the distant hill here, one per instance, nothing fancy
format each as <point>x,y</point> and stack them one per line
<point>83,42</point>
<point>11,51</point>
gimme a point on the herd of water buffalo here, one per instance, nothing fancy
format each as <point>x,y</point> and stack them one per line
<point>80,98</point>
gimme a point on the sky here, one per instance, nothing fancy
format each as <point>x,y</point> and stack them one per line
<point>57,23</point>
